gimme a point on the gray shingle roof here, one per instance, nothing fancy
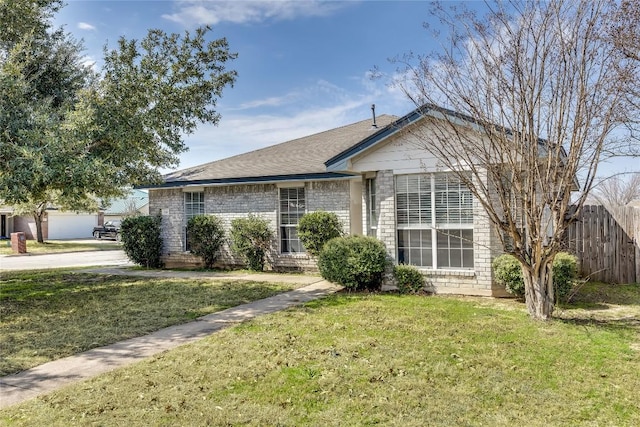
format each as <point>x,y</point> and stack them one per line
<point>300,156</point>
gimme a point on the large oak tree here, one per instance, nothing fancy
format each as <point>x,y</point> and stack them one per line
<point>72,135</point>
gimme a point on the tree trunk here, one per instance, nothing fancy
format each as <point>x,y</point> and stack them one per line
<point>538,289</point>
<point>38,216</point>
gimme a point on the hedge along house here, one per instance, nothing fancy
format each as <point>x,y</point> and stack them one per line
<point>370,174</point>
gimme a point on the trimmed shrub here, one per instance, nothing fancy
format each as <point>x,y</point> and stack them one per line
<point>508,272</point>
<point>206,236</point>
<point>317,228</point>
<point>565,271</point>
<point>408,279</point>
<point>251,239</point>
<point>355,262</point>
<point>141,240</point>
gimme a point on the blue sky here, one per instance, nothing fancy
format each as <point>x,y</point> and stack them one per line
<point>303,66</point>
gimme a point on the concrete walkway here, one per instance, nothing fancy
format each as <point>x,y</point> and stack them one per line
<point>53,375</point>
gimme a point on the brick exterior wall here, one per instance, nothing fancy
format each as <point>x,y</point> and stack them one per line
<point>169,204</point>
<point>330,196</point>
<point>236,201</point>
<point>386,208</point>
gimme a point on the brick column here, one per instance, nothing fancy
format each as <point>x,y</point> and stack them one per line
<point>386,201</point>
<point>386,207</point>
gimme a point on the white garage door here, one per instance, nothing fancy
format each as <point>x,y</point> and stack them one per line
<point>71,225</point>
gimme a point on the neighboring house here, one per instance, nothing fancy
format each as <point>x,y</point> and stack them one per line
<point>135,203</point>
<point>56,224</point>
<point>375,180</point>
<point>60,225</point>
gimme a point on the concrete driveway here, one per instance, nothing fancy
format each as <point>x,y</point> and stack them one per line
<point>73,259</point>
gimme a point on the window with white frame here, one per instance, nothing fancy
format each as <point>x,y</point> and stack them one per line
<point>193,205</point>
<point>372,214</point>
<point>434,215</point>
<point>292,207</point>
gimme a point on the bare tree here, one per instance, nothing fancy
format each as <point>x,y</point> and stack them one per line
<point>535,94</point>
<point>617,190</point>
<point>625,29</point>
<point>624,34</point>
<point>131,208</point>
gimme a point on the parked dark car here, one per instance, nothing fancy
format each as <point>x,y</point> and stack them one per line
<point>110,229</point>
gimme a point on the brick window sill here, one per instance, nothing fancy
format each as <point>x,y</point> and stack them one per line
<point>448,273</point>
<point>295,255</point>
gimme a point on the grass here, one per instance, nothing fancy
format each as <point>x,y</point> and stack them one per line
<point>46,315</point>
<point>353,360</point>
<point>59,247</point>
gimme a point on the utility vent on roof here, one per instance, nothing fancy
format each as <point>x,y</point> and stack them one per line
<point>373,112</point>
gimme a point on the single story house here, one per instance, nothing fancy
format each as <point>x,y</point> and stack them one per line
<point>56,225</point>
<point>369,174</point>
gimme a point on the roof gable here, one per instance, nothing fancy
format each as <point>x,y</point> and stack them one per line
<point>340,162</point>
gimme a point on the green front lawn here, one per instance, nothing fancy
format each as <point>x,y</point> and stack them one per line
<point>46,315</point>
<point>59,247</point>
<point>353,360</point>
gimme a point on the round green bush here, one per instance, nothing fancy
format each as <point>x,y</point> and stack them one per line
<point>408,278</point>
<point>508,272</point>
<point>141,240</point>
<point>355,262</point>
<point>317,228</point>
<point>206,236</point>
<point>251,239</point>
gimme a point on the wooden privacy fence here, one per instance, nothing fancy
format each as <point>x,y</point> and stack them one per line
<point>607,243</point>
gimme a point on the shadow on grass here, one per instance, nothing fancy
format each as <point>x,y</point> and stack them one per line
<point>589,306</point>
<point>608,306</point>
<point>626,324</point>
<point>21,286</point>
<point>606,293</point>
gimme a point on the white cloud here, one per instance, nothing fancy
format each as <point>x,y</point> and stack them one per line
<point>321,91</point>
<point>85,26</point>
<point>199,12</point>
<point>90,62</point>
<point>273,101</point>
